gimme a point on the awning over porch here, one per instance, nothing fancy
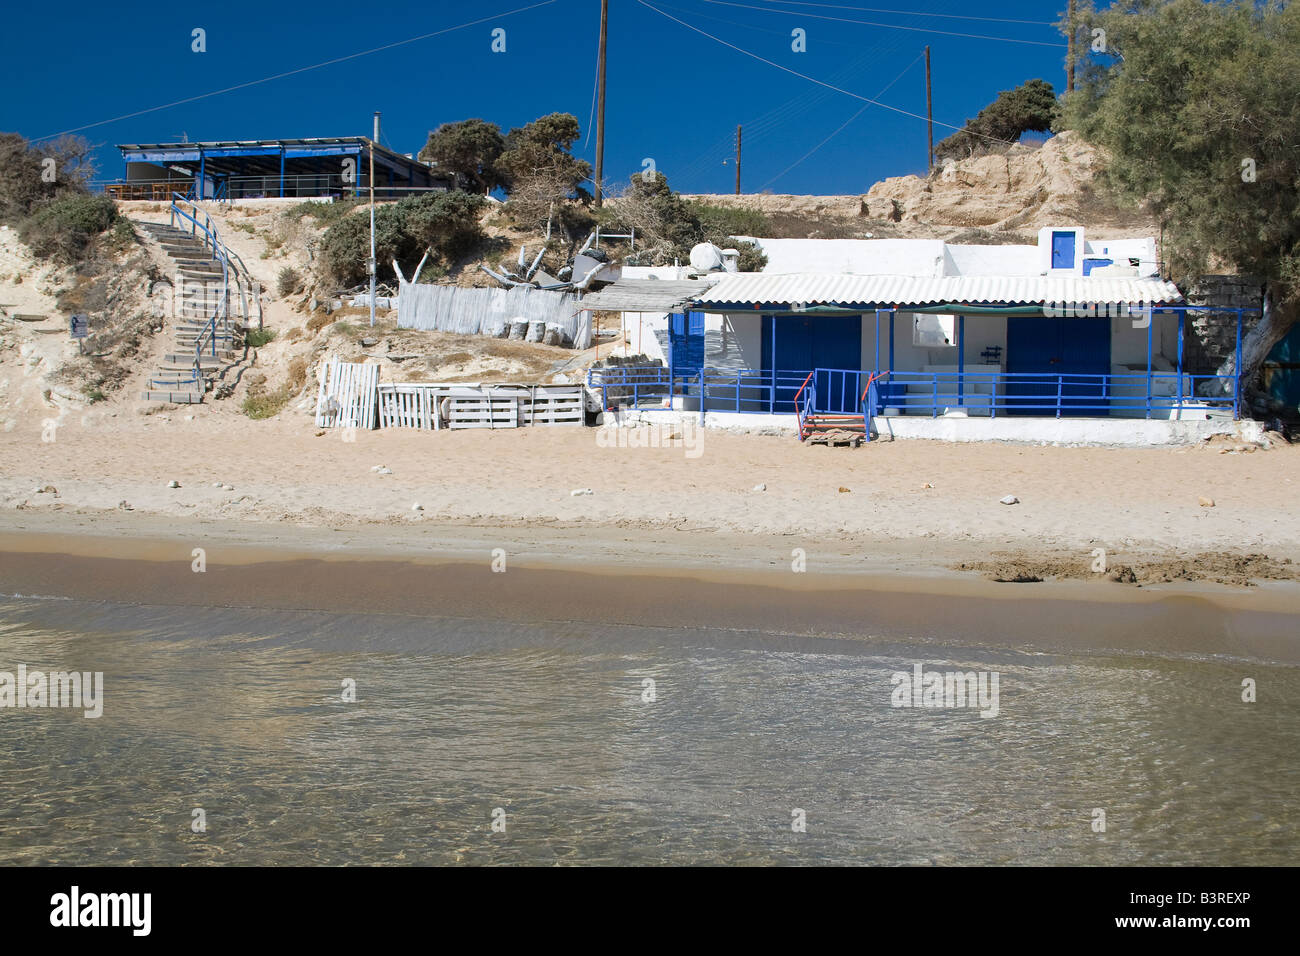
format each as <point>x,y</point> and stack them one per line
<point>645,295</point>
<point>855,293</point>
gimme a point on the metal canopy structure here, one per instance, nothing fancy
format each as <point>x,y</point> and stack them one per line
<point>645,295</point>
<point>859,293</point>
<point>230,169</point>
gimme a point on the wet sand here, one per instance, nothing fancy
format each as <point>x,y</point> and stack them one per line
<point>622,578</point>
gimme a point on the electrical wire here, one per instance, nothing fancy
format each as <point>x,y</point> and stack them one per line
<point>303,69</point>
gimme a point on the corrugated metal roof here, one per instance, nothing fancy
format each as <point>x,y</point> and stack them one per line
<point>645,295</point>
<point>883,291</point>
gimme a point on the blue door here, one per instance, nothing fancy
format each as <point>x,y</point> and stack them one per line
<point>1042,350</point>
<point>805,343</point>
<point>686,343</point>
<point>1063,250</point>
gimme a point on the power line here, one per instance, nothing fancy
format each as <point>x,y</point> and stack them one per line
<point>786,69</point>
<point>886,26</point>
<point>914,13</point>
<point>746,26</point>
<point>303,69</point>
<point>775,119</point>
<point>841,128</point>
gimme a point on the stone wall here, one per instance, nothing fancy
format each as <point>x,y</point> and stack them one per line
<point>1211,337</point>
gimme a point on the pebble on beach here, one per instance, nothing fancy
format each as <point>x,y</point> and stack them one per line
<point>1010,500</point>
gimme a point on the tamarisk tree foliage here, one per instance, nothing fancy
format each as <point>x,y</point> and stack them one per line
<point>1031,107</point>
<point>1198,104</point>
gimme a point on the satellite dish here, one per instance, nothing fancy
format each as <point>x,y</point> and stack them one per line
<point>706,257</point>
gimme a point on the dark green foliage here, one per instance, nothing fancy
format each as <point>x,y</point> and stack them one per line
<point>1188,98</point>
<point>1028,108</point>
<point>325,213</point>
<point>543,148</point>
<point>730,220</point>
<point>667,226</point>
<point>63,228</point>
<point>447,223</point>
<point>24,170</point>
<point>470,149</point>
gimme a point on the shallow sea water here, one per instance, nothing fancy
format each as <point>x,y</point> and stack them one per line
<point>241,713</point>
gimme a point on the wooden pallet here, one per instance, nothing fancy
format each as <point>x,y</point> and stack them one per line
<point>346,398</point>
<point>435,406</point>
<point>406,406</point>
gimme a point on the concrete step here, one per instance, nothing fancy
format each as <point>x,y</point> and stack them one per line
<point>166,380</point>
<point>177,397</point>
<point>223,357</point>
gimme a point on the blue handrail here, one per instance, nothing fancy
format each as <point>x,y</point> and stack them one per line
<point>232,266</point>
<point>1132,394</point>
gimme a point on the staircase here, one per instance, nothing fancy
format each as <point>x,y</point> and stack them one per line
<point>813,422</point>
<point>215,300</point>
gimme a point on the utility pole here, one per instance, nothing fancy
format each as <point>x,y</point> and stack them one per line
<point>929,113</point>
<point>371,264</point>
<point>1069,55</point>
<point>738,129</point>
<point>600,100</point>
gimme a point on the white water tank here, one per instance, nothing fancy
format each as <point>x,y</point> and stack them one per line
<point>706,257</point>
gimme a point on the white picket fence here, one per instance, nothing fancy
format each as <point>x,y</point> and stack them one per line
<point>346,398</point>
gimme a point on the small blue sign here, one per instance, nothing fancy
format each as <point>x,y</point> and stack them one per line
<point>79,326</point>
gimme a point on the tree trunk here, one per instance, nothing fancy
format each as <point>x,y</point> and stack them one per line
<point>1257,342</point>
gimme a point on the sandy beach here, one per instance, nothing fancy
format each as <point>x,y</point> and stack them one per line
<point>933,502</point>
<point>668,535</point>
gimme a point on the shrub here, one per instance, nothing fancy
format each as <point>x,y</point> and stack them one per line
<point>724,221</point>
<point>288,282</point>
<point>325,213</point>
<point>261,403</point>
<point>447,223</point>
<point>256,338</point>
<point>63,229</point>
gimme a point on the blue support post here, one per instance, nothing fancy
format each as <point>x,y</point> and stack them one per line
<point>281,172</point>
<point>672,371</point>
<point>772,407</point>
<point>1150,331</point>
<point>891,344</point>
<point>1182,316</point>
<point>961,360</point>
<point>1236,374</point>
<point>201,185</point>
<point>876,367</point>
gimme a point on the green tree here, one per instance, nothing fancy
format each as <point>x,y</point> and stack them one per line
<point>32,175</point>
<point>469,148</point>
<point>447,223</point>
<point>1028,108</point>
<point>1196,103</point>
<point>542,148</point>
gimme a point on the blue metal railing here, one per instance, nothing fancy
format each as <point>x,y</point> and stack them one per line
<point>232,268</point>
<point>1131,395</point>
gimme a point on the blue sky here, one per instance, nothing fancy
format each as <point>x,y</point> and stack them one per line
<point>674,94</point>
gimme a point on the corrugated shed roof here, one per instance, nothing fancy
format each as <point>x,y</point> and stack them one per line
<point>645,295</point>
<point>883,291</point>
